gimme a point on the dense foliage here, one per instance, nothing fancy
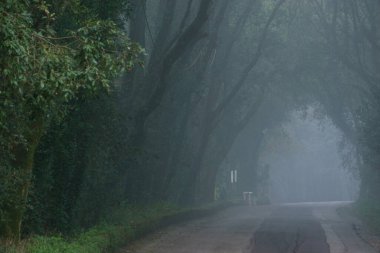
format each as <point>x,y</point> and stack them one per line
<point>43,72</point>
<point>79,141</point>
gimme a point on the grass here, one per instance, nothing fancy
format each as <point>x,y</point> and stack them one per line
<point>369,212</point>
<point>122,226</point>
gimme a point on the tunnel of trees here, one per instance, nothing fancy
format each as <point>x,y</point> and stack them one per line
<point>78,139</point>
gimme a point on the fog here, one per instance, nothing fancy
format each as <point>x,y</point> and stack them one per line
<point>301,158</point>
<point>113,104</point>
<point>308,160</point>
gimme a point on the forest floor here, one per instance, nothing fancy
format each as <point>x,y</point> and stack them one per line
<point>302,228</point>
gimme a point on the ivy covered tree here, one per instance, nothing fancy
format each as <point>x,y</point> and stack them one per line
<point>43,69</point>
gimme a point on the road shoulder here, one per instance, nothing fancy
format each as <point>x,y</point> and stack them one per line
<point>361,229</point>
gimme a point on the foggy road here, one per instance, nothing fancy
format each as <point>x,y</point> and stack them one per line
<point>302,228</point>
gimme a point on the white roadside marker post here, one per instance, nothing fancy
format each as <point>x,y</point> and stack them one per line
<point>234,188</point>
<point>247,196</point>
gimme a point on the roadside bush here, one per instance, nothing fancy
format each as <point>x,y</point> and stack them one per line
<point>369,213</point>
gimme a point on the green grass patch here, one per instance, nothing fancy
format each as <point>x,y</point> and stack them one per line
<point>369,213</point>
<point>97,240</point>
<point>119,228</point>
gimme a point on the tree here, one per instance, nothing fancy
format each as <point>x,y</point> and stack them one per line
<point>351,30</point>
<point>41,74</point>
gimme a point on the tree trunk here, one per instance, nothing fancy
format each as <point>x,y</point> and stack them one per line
<point>23,160</point>
<point>186,41</point>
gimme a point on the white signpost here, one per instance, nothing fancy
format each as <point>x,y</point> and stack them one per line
<point>234,183</point>
<point>233,176</point>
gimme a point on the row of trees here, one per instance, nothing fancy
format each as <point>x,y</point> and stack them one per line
<point>331,61</point>
<point>70,152</point>
<point>352,29</point>
<point>68,148</point>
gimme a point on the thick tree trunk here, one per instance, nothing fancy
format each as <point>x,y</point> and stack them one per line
<point>188,194</point>
<point>186,41</point>
<point>23,160</point>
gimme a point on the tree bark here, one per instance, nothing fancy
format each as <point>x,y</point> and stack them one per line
<point>22,162</point>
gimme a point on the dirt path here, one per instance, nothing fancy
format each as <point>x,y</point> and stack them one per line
<point>301,228</point>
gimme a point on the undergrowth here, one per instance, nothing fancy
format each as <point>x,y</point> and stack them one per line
<point>369,212</point>
<point>120,227</point>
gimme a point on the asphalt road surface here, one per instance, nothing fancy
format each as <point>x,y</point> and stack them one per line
<point>291,228</point>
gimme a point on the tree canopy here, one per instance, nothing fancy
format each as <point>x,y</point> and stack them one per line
<point>84,131</point>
